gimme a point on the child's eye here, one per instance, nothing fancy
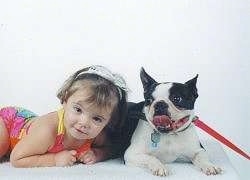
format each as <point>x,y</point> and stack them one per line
<point>97,119</point>
<point>77,109</point>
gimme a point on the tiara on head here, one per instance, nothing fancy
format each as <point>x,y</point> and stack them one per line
<point>105,73</point>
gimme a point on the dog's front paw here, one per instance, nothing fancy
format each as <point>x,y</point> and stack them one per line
<point>211,169</point>
<point>159,169</point>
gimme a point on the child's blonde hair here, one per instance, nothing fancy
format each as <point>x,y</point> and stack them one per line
<point>102,91</point>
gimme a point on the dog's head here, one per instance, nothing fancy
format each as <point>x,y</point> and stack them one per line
<point>168,105</point>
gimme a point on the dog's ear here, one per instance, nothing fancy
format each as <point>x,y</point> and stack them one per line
<point>146,80</point>
<point>192,85</point>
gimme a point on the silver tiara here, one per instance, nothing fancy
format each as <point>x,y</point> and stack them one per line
<point>107,74</point>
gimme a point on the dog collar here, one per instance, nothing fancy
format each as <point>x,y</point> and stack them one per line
<point>183,121</point>
<point>177,124</point>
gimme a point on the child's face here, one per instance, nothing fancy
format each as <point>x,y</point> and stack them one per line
<point>83,121</point>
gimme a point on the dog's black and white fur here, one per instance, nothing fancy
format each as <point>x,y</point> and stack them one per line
<point>155,142</point>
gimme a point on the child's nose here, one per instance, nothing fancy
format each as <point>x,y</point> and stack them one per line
<point>85,121</point>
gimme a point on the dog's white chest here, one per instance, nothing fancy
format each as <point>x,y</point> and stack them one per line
<point>166,147</point>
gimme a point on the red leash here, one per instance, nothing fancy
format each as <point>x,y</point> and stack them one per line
<point>219,137</point>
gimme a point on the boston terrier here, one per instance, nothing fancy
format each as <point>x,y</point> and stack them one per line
<point>165,132</point>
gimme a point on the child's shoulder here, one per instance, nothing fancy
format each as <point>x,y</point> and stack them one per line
<point>47,123</point>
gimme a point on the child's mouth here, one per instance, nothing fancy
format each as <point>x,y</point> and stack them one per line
<point>80,131</point>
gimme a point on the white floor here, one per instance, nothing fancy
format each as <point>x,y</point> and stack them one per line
<point>115,169</point>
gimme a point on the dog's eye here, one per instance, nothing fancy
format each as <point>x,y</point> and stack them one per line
<point>176,99</point>
<point>148,101</point>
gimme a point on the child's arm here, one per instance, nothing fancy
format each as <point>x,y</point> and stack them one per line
<point>31,151</point>
<point>99,151</point>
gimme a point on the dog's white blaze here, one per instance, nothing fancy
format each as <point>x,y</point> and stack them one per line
<point>162,93</point>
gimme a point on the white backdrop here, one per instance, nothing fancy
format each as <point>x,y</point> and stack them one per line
<point>43,42</point>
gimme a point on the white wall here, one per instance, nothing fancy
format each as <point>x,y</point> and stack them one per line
<point>43,42</point>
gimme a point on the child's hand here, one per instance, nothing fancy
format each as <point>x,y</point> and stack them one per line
<point>88,157</point>
<point>65,158</point>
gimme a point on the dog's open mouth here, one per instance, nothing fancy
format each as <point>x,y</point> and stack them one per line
<point>163,123</point>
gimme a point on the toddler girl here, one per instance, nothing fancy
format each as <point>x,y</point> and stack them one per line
<point>93,104</point>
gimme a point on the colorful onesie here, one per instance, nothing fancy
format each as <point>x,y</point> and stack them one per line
<point>15,119</point>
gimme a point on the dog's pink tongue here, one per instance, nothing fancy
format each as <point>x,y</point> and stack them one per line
<point>162,120</point>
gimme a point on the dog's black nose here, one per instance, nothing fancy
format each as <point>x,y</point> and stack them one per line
<point>161,108</point>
